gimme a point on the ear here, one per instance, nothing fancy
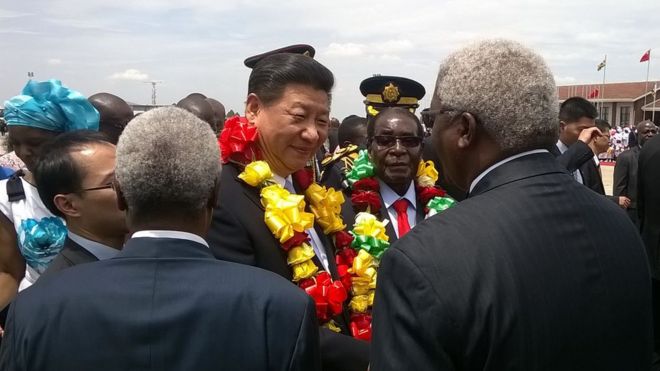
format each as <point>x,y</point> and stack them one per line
<point>562,126</point>
<point>466,126</point>
<point>121,200</point>
<point>252,107</point>
<point>66,205</point>
<point>215,196</point>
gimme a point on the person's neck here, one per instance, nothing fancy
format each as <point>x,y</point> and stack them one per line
<point>275,165</point>
<point>399,188</point>
<point>116,242</point>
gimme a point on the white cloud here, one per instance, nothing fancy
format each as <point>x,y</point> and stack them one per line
<point>130,74</point>
<point>345,50</point>
<point>54,61</point>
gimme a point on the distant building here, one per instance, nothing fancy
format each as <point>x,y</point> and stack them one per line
<point>142,108</point>
<point>621,103</point>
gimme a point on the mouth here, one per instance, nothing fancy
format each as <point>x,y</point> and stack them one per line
<point>303,150</point>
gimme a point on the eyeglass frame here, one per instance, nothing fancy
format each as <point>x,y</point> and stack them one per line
<point>397,138</point>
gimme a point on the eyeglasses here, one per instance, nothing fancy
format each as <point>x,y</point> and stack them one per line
<point>389,141</point>
<point>106,186</point>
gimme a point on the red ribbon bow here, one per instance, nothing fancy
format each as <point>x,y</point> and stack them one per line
<point>366,199</point>
<point>237,140</point>
<point>328,295</point>
<point>366,184</point>
<point>298,239</point>
<point>361,326</point>
<point>425,194</point>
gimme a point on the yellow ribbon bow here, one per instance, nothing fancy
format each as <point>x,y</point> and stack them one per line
<point>427,175</point>
<point>368,225</point>
<point>300,254</point>
<point>326,203</point>
<point>255,173</point>
<point>285,212</point>
<point>304,270</point>
<point>360,303</point>
<point>364,269</point>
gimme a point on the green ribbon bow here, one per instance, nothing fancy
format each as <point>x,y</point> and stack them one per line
<point>362,168</point>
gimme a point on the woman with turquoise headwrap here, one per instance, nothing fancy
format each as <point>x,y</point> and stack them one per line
<point>30,236</point>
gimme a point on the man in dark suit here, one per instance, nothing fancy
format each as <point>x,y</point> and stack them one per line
<point>625,170</point>
<point>288,102</point>
<point>591,171</point>
<point>75,173</point>
<point>532,271</point>
<point>164,303</point>
<point>648,204</point>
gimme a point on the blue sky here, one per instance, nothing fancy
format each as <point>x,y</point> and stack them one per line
<point>199,46</point>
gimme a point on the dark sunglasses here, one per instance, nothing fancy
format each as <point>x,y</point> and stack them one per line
<point>407,141</point>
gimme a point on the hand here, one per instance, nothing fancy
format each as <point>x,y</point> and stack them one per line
<point>624,202</point>
<point>587,135</point>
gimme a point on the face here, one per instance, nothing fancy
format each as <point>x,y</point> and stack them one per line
<point>292,128</point>
<point>646,132</point>
<point>445,142</point>
<point>396,160</point>
<point>97,209</point>
<point>569,132</point>
<point>602,143</point>
<point>27,141</point>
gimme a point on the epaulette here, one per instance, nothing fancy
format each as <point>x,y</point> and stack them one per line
<point>349,151</point>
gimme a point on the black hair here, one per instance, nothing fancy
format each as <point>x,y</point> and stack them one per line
<point>56,172</point>
<point>271,75</point>
<point>385,112</point>
<point>575,108</point>
<point>603,125</point>
<point>349,127</point>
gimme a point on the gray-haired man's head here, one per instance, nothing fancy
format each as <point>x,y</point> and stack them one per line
<point>167,167</point>
<point>492,99</point>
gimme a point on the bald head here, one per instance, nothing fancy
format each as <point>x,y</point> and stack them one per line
<point>196,95</point>
<point>199,107</point>
<point>218,112</point>
<point>114,112</point>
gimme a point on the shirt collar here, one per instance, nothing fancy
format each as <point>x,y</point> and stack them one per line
<point>500,163</point>
<point>281,180</point>
<point>97,249</point>
<point>179,235</point>
<point>390,197</point>
<point>561,146</point>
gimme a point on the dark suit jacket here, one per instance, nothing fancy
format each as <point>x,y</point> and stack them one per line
<point>594,181</point>
<point>161,304</point>
<point>574,157</point>
<point>70,255</point>
<point>625,175</point>
<point>531,272</point>
<point>648,200</point>
<point>238,234</point>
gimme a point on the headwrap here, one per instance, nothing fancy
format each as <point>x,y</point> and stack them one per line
<point>49,105</point>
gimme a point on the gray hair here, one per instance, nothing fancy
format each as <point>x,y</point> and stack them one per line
<point>508,87</point>
<point>166,158</point>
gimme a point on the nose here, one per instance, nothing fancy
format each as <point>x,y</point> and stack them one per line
<point>398,147</point>
<point>310,133</point>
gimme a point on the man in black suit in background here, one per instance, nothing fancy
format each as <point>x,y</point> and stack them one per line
<point>532,271</point>
<point>75,173</point>
<point>164,303</point>
<point>648,204</point>
<point>625,170</point>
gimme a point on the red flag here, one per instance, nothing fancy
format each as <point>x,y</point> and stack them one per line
<point>593,94</point>
<point>646,56</point>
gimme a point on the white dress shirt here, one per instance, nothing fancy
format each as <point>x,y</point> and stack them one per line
<point>99,250</point>
<point>576,174</point>
<point>315,240</point>
<point>500,163</point>
<point>390,197</point>
<point>178,235</point>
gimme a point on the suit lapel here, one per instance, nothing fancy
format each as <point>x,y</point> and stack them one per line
<point>76,254</point>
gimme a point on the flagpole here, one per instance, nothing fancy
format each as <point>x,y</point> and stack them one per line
<point>646,92</point>
<point>602,87</point>
<point>655,88</point>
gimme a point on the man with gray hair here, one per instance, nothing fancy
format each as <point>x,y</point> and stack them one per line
<point>164,303</point>
<point>532,271</point>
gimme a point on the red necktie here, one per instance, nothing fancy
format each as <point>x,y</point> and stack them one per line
<point>401,208</point>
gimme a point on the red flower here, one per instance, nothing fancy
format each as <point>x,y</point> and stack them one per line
<point>344,276</point>
<point>238,141</point>
<point>345,256</point>
<point>304,177</point>
<point>328,295</point>
<point>361,326</point>
<point>425,194</point>
<point>343,240</point>
<point>366,184</point>
<point>366,199</point>
<point>297,240</point>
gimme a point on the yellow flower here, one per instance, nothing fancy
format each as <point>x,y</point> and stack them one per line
<point>326,203</point>
<point>368,225</point>
<point>359,304</point>
<point>304,270</point>
<point>332,326</point>
<point>255,173</point>
<point>300,254</point>
<point>427,175</point>
<point>285,212</point>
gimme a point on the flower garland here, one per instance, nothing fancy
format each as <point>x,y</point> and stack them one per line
<point>369,237</point>
<point>287,219</point>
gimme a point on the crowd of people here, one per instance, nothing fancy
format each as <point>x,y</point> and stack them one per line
<point>474,234</point>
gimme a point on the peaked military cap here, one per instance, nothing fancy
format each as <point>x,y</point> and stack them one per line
<point>391,91</point>
<point>303,49</point>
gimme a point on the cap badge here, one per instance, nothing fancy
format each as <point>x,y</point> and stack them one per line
<point>391,93</point>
